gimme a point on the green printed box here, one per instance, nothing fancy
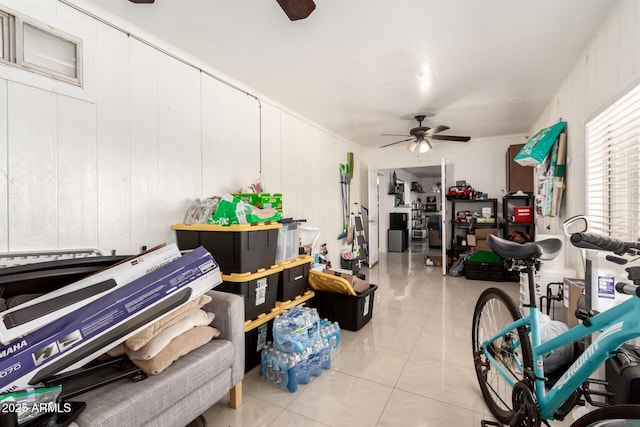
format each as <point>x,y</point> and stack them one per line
<point>262,200</point>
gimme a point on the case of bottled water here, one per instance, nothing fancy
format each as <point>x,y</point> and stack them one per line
<point>301,348</point>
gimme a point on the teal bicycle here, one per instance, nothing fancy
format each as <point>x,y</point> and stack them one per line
<point>509,355</point>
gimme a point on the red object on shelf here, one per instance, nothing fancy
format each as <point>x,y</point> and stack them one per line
<point>523,214</point>
<point>460,192</point>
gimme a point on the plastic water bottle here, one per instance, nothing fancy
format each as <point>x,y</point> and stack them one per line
<point>330,332</point>
<point>281,371</point>
<point>314,361</point>
<point>336,336</point>
<point>267,364</point>
<point>292,384</point>
<point>303,367</point>
<point>325,354</point>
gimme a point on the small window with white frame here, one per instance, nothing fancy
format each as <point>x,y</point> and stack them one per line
<point>6,23</point>
<point>49,52</point>
<point>613,168</point>
<point>38,47</point>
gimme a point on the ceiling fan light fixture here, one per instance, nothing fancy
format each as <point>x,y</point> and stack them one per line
<point>421,133</point>
<point>424,146</point>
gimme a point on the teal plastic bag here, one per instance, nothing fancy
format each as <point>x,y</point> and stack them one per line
<point>538,147</point>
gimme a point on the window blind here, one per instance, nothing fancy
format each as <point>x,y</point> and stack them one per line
<point>613,169</point>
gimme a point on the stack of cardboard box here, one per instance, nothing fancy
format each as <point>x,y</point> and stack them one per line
<point>479,239</point>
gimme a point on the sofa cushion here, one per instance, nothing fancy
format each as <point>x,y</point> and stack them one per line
<point>125,403</point>
<point>189,408</point>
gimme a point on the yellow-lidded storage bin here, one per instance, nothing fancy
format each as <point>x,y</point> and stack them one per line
<point>236,248</point>
<point>320,281</point>
<point>299,299</point>
<point>259,289</point>
<point>256,335</point>
<point>336,300</point>
<point>294,279</point>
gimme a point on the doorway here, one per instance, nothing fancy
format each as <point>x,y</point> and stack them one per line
<point>422,201</point>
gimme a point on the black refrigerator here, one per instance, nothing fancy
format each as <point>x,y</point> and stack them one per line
<point>398,233</point>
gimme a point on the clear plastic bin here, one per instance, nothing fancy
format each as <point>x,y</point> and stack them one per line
<point>288,244</point>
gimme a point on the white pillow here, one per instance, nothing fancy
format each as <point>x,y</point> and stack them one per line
<point>160,341</point>
<point>144,336</point>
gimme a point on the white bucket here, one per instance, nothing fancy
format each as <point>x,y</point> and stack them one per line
<point>309,239</point>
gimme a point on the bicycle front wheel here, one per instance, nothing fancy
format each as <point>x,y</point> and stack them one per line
<point>511,351</point>
<point>611,416</point>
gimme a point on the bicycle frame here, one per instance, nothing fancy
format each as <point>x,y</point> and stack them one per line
<point>616,326</point>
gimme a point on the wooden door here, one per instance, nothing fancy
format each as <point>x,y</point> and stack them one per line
<point>518,177</point>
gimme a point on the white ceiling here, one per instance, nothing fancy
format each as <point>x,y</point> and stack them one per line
<point>360,68</point>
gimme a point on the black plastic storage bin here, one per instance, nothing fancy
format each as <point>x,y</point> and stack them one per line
<point>484,271</point>
<point>352,265</point>
<point>294,278</point>
<point>236,248</point>
<point>511,276</point>
<point>484,265</point>
<point>259,289</point>
<point>351,312</point>
<point>257,334</point>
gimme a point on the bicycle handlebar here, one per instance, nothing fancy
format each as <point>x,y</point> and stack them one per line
<point>596,241</point>
<point>628,289</point>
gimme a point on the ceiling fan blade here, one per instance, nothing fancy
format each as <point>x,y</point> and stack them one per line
<point>450,138</point>
<point>297,9</point>
<point>397,142</point>
<point>437,129</point>
<point>142,1</point>
<point>394,134</point>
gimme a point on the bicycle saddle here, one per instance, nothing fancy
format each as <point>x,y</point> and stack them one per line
<point>546,249</point>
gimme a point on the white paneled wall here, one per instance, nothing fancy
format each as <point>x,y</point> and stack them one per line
<point>238,148</point>
<point>4,170</point>
<point>33,169</point>
<point>113,138</point>
<point>143,140</point>
<point>272,147</point>
<point>179,136</point>
<point>209,157</point>
<point>311,179</point>
<point>77,174</point>
<point>113,164</point>
<point>609,65</point>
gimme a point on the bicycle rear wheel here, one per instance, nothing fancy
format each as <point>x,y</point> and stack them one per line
<point>611,416</point>
<point>512,350</point>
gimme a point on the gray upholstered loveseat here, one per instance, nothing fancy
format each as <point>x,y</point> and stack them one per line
<point>185,389</point>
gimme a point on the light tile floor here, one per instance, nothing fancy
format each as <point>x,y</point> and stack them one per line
<point>409,366</point>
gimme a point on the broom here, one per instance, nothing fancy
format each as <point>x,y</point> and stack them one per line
<point>343,180</point>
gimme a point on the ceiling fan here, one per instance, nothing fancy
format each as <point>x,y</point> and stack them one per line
<point>420,134</point>
<point>295,9</point>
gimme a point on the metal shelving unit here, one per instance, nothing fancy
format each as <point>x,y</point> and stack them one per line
<point>462,225</point>
<point>511,223</point>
